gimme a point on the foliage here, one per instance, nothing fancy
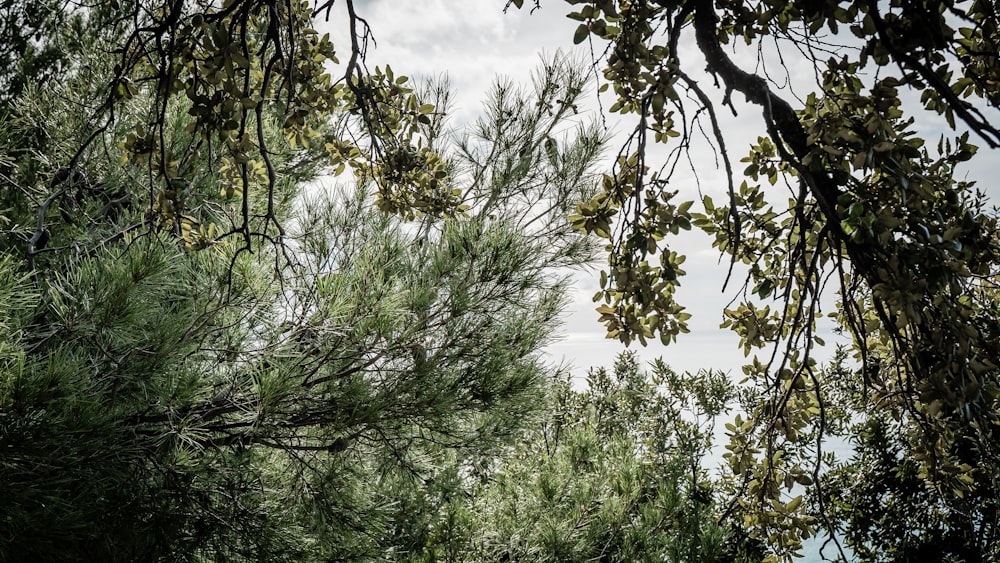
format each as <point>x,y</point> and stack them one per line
<point>613,473</point>
<point>881,499</point>
<point>864,202</point>
<point>31,55</point>
<point>225,72</point>
<point>168,392</point>
<point>339,350</point>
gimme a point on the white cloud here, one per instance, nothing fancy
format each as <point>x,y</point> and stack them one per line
<point>472,42</point>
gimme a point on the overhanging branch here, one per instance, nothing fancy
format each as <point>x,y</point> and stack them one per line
<point>783,124</point>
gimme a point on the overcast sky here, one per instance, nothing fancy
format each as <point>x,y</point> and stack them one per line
<point>474,42</point>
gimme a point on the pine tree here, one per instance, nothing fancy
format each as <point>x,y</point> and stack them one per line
<point>177,388</point>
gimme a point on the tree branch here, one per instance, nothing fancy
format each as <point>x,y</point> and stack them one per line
<point>783,124</point>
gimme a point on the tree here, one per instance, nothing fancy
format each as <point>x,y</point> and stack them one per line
<point>171,393</point>
<point>871,208</point>
<point>880,498</point>
<point>232,68</point>
<point>613,472</point>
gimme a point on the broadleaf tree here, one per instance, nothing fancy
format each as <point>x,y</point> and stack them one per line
<point>233,67</point>
<point>880,499</point>
<point>852,193</point>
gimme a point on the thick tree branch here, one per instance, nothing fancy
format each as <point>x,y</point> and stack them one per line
<point>785,130</point>
<point>782,123</point>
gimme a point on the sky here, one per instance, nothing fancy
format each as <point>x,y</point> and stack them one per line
<point>474,42</point>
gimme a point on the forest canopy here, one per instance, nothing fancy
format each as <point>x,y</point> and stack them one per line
<point>205,357</point>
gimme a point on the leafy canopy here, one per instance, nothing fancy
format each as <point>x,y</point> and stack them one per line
<point>205,116</point>
<point>611,472</point>
<point>848,191</point>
